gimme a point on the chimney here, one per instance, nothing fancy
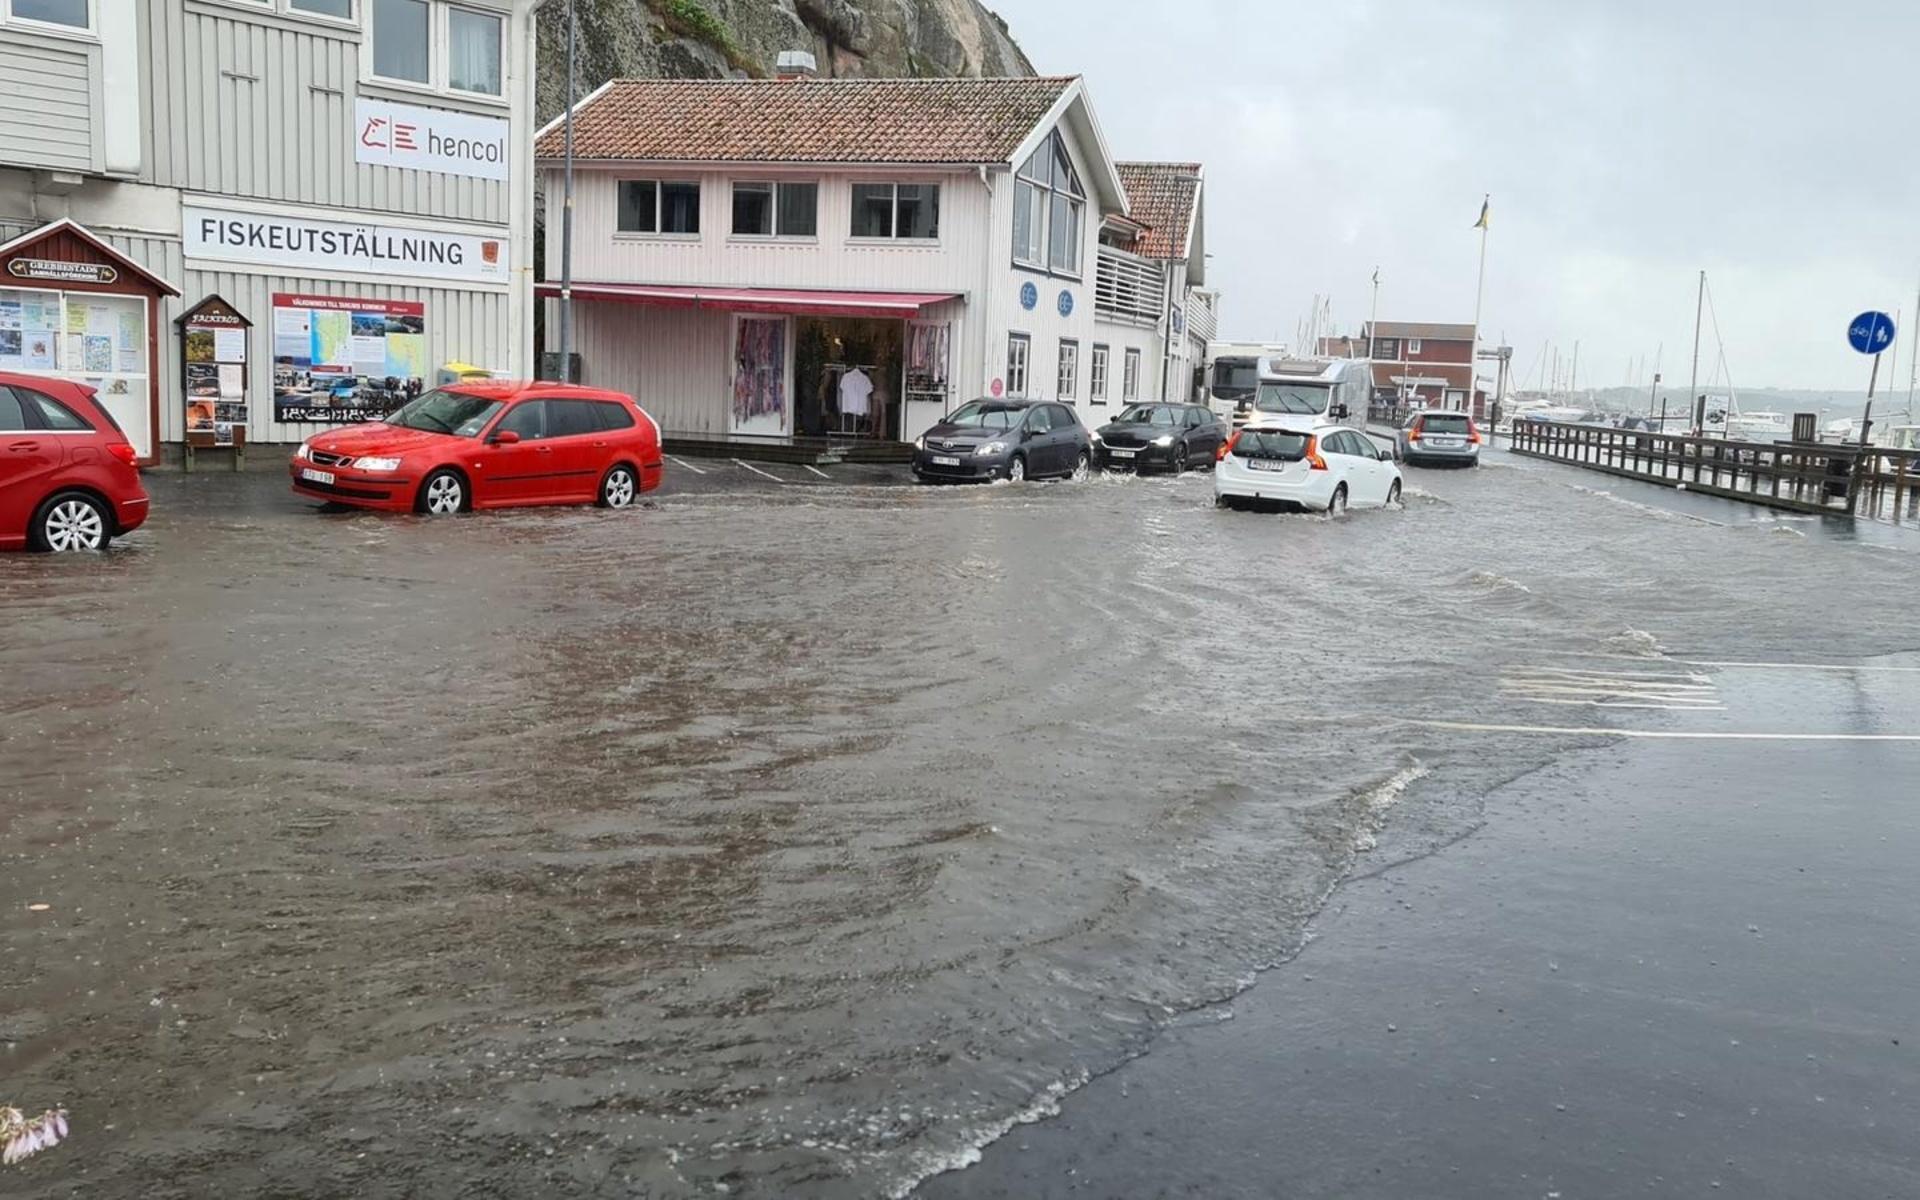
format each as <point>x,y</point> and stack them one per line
<point>794,64</point>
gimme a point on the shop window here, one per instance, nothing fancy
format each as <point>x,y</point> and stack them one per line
<point>1130,377</point>
<point>1069,375</point>
<point>896,210</point>
<point>1049,210</point>
<point>655,206</point>
<point>473,51</point>
<point>1097,375</point>
<point>69,14</point>
<point>401,47</point>
<point>427,44</point>
<point>775,209</point>
<point>1019,351</point>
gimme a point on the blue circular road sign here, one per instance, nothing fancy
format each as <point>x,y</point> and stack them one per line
<point>1870,332</point>
<point>1065,303</point>
<point>1029,295</point>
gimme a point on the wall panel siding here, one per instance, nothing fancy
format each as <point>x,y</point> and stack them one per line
<point>673,360</point>
<point>250,106</point>
<point>46,115</point>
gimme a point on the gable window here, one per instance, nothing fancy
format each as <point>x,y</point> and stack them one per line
<point>907,211</point>
<point>427,43</point>
<point>775,209</point>
<point>657,206</point>
<point>1097,375</point>
<point>68,14</point>
<point>1049,210</point>
<point>1130,381</point>
<point>1019,350</point>
<point>1069,367</point>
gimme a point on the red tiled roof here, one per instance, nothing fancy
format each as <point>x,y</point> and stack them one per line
<point>807,120</point>
<point>1163,195</point>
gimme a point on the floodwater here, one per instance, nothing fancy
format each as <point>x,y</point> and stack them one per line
<point>776,839</point>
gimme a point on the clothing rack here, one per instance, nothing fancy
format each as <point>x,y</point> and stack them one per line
<point>837,371</point>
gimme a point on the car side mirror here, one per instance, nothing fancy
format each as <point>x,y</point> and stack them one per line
<point>505,437</point>
<point>1339,412</point>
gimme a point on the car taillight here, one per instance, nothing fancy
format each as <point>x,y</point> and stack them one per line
<point>1473,433</point>
<point>1313,455</point>
<point>124,451</point>
<point>1413,434</point>
<point>1226,447</point>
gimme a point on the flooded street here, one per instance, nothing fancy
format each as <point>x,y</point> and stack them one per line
<point>780,838</point>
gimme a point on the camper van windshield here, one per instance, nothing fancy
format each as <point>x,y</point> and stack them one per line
<point>1291,398</point>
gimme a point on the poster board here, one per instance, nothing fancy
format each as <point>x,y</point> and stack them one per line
<point>214,358</point>
<point>342,360</point>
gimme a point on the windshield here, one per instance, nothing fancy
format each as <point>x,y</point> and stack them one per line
<point>444,412</point>
<point>984,414</point>
<point>1292,398</point>
<point>1234,377</point>
<point>1146,414</point>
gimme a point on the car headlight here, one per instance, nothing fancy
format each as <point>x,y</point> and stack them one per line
<point>1165,439</point>
<point>920,443</point>
<point>989,449</point>
<point>1093,435</point>
<point>376,464</point>
<point>305,452</point>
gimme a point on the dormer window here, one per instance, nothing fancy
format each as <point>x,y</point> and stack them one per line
<point>1049,210</point>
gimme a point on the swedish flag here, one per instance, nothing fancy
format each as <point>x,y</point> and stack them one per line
<point>1486,213</point>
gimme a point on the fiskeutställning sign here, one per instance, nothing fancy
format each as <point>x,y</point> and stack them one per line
<point>267,239</point>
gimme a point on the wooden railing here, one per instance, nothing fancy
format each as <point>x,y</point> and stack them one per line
<point>1127,287</point>
<point>1867,481</point>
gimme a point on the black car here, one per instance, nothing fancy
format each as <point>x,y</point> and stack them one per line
<point>1004,439</point>
<point>1169,437</point>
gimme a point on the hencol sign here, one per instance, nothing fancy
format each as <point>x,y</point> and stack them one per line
<point>299,244</point>
<point>429,139</point>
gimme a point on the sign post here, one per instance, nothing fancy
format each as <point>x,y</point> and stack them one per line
<point>213,360</point>
<point>1870,333</point>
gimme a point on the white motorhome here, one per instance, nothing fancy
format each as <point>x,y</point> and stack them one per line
<point>1304,392</point>
<point>1233,371</point>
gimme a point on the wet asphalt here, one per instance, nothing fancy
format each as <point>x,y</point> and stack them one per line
<point>805,832</point>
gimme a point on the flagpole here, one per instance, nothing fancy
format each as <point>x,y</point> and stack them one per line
<point>1479,297</point>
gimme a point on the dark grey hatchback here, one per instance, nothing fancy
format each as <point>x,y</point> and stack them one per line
<point>1004,439</point>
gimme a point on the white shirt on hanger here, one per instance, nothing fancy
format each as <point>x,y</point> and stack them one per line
<point>855,387</point>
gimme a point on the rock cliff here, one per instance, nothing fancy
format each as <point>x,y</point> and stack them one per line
<point>712,39</point>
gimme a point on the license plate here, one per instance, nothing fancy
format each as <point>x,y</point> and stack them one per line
<point>1266,464</point>
<point>309,473</point>
<point>941,460</point>
<point>1122,453</point>
<point>1446,443</point>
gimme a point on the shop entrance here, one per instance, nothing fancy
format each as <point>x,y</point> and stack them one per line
<point>847,376</point>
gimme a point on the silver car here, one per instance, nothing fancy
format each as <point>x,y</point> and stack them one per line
<point>1439,437</point>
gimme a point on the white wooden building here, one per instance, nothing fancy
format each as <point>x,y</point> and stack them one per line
<point>742,248</point>
<point>352,178</point>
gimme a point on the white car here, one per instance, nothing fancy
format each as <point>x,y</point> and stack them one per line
<point>1323,469</point>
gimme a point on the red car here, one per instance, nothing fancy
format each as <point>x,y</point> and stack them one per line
<point>487,444</point>
<point>67,479</point>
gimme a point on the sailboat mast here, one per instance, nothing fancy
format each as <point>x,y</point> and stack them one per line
<point>1693,379</point>
<point>1913,360</point>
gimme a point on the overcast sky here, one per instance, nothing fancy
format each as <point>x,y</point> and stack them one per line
<point>1627,145</point>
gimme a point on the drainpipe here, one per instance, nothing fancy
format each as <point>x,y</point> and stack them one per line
<point>1166,341</point>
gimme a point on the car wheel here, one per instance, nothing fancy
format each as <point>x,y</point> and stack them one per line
<point>1082,467</point>
<point>1177,463</point>
<point>1223,501</point>
<point>1338,504</point>
<point>442,494</point>
<point>617,489</point>
<point>1393,493</point>
<point>1017,469</point>
<point>71,521</point>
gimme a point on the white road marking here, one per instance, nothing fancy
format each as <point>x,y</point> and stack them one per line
<point>758,471</point>
<point>816,470</point>
<point>683,463</point>
<point>1667,734</point>
<point>1628,704</point>
<point>1752,666</point>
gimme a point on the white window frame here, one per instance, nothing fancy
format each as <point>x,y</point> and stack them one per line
<point>894,239</point>
<point>90,31</point>
<point>439,49</point>
<point>1413,345</point>
<point>1023,363</point>
<point>1097,375</point>
<point>773,211</point>
<point>1066,377</point>
<point>1044,226</point>
<point>1130,378</point>
<point>659,210</point>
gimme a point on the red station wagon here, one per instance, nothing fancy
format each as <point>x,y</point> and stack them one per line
<point>487,444</point>
<point>67,479</point>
